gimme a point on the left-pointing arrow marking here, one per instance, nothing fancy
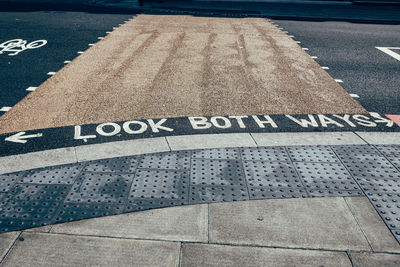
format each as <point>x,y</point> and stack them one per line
<point>20,137</point>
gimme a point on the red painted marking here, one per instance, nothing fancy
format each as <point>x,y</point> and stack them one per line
<point>394,118</point>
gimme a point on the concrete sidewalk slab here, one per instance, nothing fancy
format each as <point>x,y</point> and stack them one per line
<point>373,260</point>
<point>304,139</point>
<point>218,255</point>
<point>39,159</point>
<point>205,141</point>
<point>6,242</point>
<point>380,138</point>
<point>121,148</point>
<point>319,223</point>
<point>36,249</point>
<point>189,223</point>
<point>161,67</point>
<point>372,225</point>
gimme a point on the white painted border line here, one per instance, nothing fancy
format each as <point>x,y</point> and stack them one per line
<point>354,95</point>
<point>325,68</point>
<point>68,155</point>
<point>31,88</point>
<point>80,52</point>
<point>305,48</point>
<point>298,42</point>
<point>5,109</point>
<point>51,73</point>
<point>314,57</point>
<point>388,51</point>
<point>67,61</point>
<point>338,80</point>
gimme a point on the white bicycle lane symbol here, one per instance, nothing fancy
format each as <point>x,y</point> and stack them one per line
<point>16,46</point>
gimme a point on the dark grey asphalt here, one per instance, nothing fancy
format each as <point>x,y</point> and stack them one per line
<point>348,49</point>
<point>66,34</point>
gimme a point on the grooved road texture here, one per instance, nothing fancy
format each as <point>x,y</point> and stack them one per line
<point>177,66</point>
<point>113,186</point>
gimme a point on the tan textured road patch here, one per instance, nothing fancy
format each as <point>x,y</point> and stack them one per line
<point>175,66</point>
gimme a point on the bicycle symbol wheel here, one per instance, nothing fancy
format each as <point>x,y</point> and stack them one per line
<point>36,44</point>
<point>12,43</point>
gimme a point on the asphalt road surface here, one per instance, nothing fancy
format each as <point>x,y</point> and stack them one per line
<point>349,51</point>
<point>66,33</point>
<point>176,66</point>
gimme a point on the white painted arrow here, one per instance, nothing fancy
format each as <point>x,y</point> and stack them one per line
<point>20,137</point>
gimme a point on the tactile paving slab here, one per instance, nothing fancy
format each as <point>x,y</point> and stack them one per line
<point>392,153</point>
<point>65,174</point>
<point>125,164</point>
<point>100,187</point>
<point>312,154</point>
<point>326,177</point>
<point>7,181</point>
<point>265,154</point>
<point>173,160</point>
<point>113,186</point>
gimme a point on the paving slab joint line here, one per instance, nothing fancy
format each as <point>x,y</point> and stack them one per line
<point>252,137</point>
<point>359,136</point>
<point>11,247</point>
<point>110,237</point>
<point>280,247</point>
<point>180,254</point>
<point>350,258</point>
<point>166,140</point>
<point>358,223</point>
<point>383,155</point>
<point>208,223</point>
<point>242,164</point>
<point>297,172</point>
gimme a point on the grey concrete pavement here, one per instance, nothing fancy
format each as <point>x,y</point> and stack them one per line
<point>144,238</point>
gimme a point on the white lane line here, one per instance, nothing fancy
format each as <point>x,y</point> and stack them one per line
<point>67,61</point>
<point>90,44</point>
<point>100,38</point>
<point>80,52</point>
<point>51,73</point>
<point>314,57</point>
<point>31,88</point>
<point>5,109</point>
<point>354,95</point>
<point>325,68</point>
<point>305,48</point>
<point>338,80</point>
<point>388,50</point>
